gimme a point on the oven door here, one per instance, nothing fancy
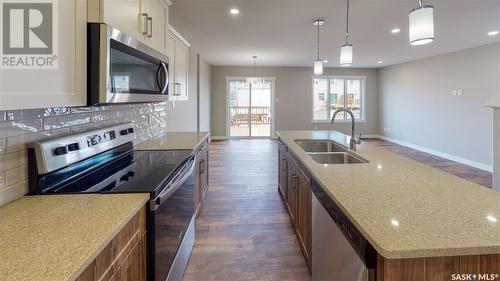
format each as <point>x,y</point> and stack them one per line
<point>172,226</point>
<point>124,70</point>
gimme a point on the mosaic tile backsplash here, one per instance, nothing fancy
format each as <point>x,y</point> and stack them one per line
<point>19,127</point>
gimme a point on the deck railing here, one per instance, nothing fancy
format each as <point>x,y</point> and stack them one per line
<point>259,115</point>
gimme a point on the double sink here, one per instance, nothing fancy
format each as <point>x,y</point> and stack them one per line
<point>329,152</point>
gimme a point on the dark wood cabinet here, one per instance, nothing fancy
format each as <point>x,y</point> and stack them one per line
<point>282,171</point>
<point>125,257</point>
<point>294,186</point>
<point>201,174</point>
<point>292,190</point>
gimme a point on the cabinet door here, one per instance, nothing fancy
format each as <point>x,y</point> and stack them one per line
<point>205,171</point>
<point>198,186</point>
<point>134,267</point>
<point>304,216</point>
<point>292,186</point>
<point>170,50</point>
<point>64,86</point>
<point>181,72</point>
<point>282,170</point>
<point>126,16</point>
<point>157,11</point>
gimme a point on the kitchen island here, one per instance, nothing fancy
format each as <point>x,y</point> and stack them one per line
<point>422,223</point>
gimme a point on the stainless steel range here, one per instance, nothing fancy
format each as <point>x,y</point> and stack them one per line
<point>104,161</point>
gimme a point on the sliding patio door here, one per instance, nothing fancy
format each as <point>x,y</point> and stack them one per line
<point>250,108</point>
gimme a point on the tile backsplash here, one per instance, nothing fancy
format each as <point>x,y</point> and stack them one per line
<point>19,127</point>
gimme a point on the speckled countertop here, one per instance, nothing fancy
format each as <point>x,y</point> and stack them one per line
<point>51,238</point>
<point>406,209</point>
<point>174,140</point>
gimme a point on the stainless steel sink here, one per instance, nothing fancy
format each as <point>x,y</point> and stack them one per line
<point>337,158</point>
<point>320,146</point>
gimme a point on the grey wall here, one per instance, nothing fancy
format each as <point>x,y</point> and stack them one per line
<point>204,95</point>
<point>416,102</point>
<point>293,92</point>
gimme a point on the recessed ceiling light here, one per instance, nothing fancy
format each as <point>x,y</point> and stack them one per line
<point>325,61</point>
<point>395,30</point>
<point>379,62</point>
<point>493,33</point>
<point>234,11</point>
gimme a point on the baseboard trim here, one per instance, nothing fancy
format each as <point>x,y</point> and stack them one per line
<point>481,166</point>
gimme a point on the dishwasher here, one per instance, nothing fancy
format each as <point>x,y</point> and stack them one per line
<point>339,252</point>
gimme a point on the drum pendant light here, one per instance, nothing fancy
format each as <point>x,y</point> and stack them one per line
<point>318,63</point>
<point>421,23</point>
<point>346,50</point>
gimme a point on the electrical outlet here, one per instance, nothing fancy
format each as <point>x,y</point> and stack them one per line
<point>387,130</point>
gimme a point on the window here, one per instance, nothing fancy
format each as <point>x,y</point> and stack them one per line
<point>342,92</point>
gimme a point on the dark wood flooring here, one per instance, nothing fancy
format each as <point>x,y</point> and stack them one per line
<point>467,172</point>
<point>243,231</point>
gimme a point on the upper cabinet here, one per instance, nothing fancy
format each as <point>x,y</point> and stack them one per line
<point>145,20</point>
<point>178,52</point>
<point>56,78</point>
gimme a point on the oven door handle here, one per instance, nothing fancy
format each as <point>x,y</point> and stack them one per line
<point>171,188</point>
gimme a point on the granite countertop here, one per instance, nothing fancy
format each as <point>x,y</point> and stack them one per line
<point>56,237</point>
<point>174,141</point>
<point>404,208</point>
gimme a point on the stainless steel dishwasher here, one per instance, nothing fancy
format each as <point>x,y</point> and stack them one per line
<point>339,252</point>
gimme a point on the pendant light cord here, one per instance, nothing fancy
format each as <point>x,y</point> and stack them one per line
<point>317,42</point>
<point>347,25</point>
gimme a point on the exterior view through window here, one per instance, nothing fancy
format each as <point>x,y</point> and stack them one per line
<point>332,93</point>
<point>250,108</point>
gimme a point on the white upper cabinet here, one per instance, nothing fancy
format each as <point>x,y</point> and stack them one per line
<point>157,22</point>
<point>64,85</point>
<point>178,49</point>
<point>145,20</point>
<point>124,15</point>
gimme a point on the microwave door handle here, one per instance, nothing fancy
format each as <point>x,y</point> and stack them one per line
<point>158,79</point>
<point>165,83</point>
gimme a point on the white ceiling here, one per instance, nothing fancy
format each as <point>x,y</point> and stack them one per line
<point>281,33</point>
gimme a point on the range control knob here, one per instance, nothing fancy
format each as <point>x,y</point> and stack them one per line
<point>61,150</point>
<point>73,146</point>
<point>124,132</point>
<point>130,130</point>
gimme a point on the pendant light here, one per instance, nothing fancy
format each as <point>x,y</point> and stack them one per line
<point>318,63</point>
<point>421,22</point>
<point>255,80</point>
<point>346,50</point>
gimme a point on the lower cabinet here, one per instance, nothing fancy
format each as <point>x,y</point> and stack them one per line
<point>125,257</point>
<point>201,174</point>
<point>294,185</point>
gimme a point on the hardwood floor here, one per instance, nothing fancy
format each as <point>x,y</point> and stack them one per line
<point>243,231</point>
<point>467,172</point>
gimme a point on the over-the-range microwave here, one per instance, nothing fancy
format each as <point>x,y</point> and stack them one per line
<point>120,69</point>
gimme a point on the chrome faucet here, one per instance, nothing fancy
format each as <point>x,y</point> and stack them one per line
<point>354,141</point>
